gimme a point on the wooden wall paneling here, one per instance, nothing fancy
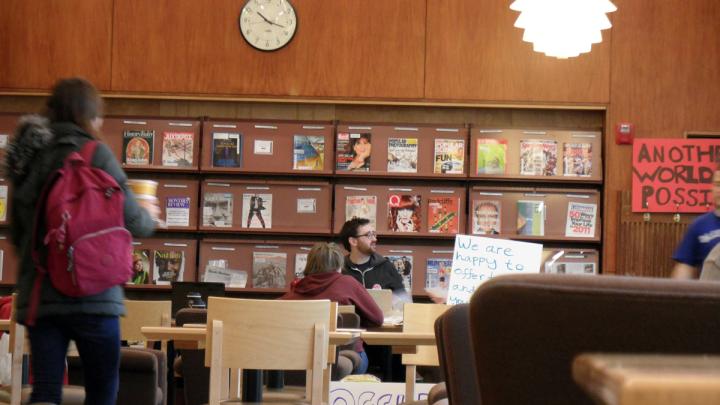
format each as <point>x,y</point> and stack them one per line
<point>475,53</point>
<point>42,41</point>
<point>343,48</point>
<point>665,81</point>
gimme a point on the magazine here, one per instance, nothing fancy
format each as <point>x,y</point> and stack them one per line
<point>403,265</point>
<point>577,159</point>
<point>352,151</point>
<point>361,206</point>
<point>308,152</point>
<point>491,155</point>
<point>580,220</point>
<point>3,202</point>
<point>141,267</point>
<point>402,155</point>
<point>404,213</point>
<point>443,214</point>
<point>177,211</point>
<point>300,263</point>
<point>138,147</point>
<point>169,266</point>
<point>538,157</point>
<point>218,210</point>
<point>226,149</point>
<point>269,269</point>
<point>256,211</point>
<point>437,274</point>
<point>531,217</point>
<point>486,217</point>
<point>570,268</point>
<point>449,156</point>
<point>177,149</point>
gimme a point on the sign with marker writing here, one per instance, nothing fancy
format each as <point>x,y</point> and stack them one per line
<point>477,259</point>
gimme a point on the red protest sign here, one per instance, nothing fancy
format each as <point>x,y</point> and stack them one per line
<point>673,175</point>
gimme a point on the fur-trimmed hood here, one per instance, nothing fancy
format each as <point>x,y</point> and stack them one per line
<point>32,135</point>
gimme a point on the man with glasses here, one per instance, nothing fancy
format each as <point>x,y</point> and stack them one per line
<point>363,263</point>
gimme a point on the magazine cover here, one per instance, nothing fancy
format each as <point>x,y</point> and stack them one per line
<point>226,149</point>
<point>538,157</point>
<point>577,159</point>
<point>169,266</point>
<point>402,155</point>
<point>531,218</point>
<point>580,220</point>
<point>443,214</point>
<point>308,152</point>
<point>3,202</point>
<point>177,149</point>
<point>361,206</point>
<point>256,211</point>
<point>269,269</point>
<point>403,265</point>
<point>141,267</point>
<point>491,154</point>
<point>218,209</point>
<point>570,268</point>
<point>138,147</point>
<point>449,156</point>
<point>353,151</point>
<point>486,217</point>
<point>437,274</point>
<point>404,213</point>
<point>177,211</point>
<point>300,263</point>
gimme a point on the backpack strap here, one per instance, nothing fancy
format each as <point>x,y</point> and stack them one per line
<point>88,151</point>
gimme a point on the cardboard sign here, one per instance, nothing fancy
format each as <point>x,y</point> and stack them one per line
<point>372,393</point>
<point>477,259</point>
<point>673,175</point>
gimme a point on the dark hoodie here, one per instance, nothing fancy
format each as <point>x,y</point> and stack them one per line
<point>37,149</point>
<point>378,271</point>
<point>337,288</point>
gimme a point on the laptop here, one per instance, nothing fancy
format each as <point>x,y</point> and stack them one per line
<point>180,290</point>
<point>383,298</point>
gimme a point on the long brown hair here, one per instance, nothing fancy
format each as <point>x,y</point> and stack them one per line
<point>74,100</point>
<point>323,258</point>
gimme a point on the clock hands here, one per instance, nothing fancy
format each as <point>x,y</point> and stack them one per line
<point>268,21</point>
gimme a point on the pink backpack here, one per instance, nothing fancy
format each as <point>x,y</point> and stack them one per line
<point>88,248</point>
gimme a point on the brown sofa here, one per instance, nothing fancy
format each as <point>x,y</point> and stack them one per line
<point>526,329</point>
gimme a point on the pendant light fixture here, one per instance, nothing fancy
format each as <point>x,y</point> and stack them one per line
<point>563,28</point>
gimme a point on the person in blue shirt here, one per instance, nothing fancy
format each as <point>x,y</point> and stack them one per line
<point>701,237</point>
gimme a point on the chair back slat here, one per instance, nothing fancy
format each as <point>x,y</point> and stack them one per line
<point>420,318</point>
<point>143,313</point>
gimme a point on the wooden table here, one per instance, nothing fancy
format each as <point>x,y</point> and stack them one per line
<point>620,379</point>
<point>194,337</point>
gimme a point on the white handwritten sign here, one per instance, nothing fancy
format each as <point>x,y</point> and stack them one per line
<point>369,393</point>
<point>477,259</point>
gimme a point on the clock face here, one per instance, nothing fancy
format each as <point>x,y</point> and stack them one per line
<point>267,25</point>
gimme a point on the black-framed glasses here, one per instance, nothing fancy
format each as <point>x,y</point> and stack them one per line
<point>369,235</point>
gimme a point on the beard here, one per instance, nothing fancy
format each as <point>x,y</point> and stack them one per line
<point>366,249</point>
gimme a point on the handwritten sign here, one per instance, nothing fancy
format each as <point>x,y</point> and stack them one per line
<point>370,393</point>
<point>673,175</point>
<point>477,259</point>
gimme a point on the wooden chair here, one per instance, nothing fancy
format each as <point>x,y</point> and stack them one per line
<point>419,318</point>
<point>144,313</point>
<point>264,334</point>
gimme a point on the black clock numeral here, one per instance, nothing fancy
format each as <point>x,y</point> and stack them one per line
<point>286,33</point>
<point>267,44</point>
<point>248,32</point>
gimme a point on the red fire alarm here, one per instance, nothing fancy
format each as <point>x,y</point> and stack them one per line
<point>624,133</point>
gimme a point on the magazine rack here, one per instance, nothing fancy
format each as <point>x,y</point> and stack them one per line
<point>573,156</point>
<point>429,207</point>
<point>251,255</point>
<point>554,212</point>
<point>155,253</point>
<point>269,147</point>
<point>419,144</point>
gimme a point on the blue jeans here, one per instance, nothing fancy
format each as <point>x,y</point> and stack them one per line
<point>362,368</point>
<point>98,342</point>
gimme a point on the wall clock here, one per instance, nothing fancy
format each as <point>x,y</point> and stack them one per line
<point>267,25</point>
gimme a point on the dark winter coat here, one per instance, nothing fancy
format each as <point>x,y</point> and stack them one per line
<point>37,150</point>
<point>337,288</point>
<point>381,272</point>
